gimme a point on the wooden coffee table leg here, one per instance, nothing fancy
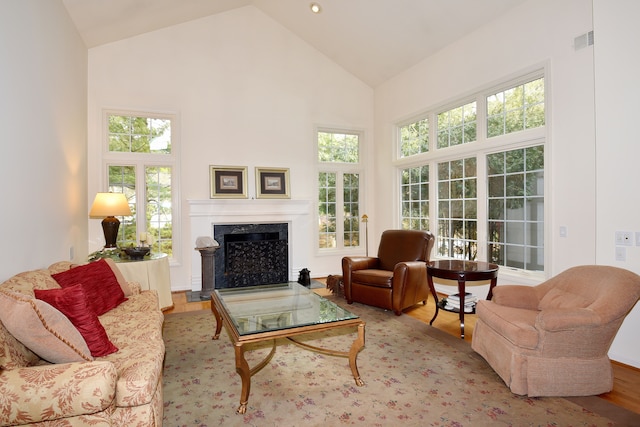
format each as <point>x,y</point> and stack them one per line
<point>245,372</point>
<point>242,368</point>
<point>218,320</point>
<point>357,345</point>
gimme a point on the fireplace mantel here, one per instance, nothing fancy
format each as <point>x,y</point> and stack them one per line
<point>203,214</point>
<point>248,207</point>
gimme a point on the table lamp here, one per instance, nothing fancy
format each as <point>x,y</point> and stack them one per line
<point>108,205</point>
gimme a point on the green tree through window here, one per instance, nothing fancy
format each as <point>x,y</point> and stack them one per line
<point>338,189</point>
<point>141,164</point>
<point>487,189</point>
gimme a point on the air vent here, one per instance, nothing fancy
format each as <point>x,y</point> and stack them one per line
<point>583,41</point>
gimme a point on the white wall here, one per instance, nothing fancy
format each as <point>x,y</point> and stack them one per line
<point>43,81</point>
<point>248,92</point>
<point>617,67</point>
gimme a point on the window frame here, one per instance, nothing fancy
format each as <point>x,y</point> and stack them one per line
<point>340,169</point>
<point>143,160</point>
<point>480,148</point>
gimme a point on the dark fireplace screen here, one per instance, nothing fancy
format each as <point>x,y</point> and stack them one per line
<point>251,254</point>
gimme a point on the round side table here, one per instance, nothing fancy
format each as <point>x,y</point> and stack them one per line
<point>461,271</point>
<point>152,272</point>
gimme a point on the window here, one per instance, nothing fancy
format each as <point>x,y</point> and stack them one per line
<point>414,190</point>
<point>130,134</point>
<point>457,126</point>
<point>338,190</point>
<point>516,208</point>
<point>457,209</point>
<point>351,202</point>
<point>488,199</point>
<point>338,147</point>
<point>518,108</point>
<point>140,162</point>
<point>327,200</point>
<point>414,138</point>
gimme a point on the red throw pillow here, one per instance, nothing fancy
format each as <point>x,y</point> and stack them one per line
<point>101,285</point>
<point>72,302</point>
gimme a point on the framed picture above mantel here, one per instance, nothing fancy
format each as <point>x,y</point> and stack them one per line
<point>228,182</point>
<point>272,183</point>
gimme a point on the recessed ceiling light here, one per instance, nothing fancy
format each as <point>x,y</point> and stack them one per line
<point>315,8</point>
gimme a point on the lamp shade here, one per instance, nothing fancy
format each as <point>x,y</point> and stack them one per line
<point>109,204</point>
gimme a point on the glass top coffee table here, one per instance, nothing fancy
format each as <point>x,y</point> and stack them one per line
<point>268,312</point>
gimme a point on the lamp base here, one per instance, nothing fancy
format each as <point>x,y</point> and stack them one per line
<point>110,227</point>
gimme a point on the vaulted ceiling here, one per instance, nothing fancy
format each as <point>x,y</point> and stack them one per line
<point>372,39</point>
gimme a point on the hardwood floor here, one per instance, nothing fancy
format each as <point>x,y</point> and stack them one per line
<point>626,385</point>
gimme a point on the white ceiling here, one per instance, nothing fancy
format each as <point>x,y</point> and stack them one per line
<point>373,39</point>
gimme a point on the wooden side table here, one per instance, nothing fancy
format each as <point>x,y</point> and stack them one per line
<point>461,271</point>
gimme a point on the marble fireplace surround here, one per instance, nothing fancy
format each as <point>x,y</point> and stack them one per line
<point>204,214</point>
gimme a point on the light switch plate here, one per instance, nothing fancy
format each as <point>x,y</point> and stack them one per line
<point>624,238</point>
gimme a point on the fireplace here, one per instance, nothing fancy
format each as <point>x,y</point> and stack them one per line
<point>251,254</point>
<point>207,213</point>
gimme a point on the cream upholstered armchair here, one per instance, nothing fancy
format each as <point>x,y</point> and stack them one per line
<point>553,339</point>
<point>397,278</point>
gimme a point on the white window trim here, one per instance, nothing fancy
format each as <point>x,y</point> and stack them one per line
<point>480,149</point>
<point>341,168</point>
<point>173,159</point>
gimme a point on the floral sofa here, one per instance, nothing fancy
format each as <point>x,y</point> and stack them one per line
<point>65,363</point>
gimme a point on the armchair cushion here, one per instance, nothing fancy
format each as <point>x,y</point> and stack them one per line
<point>380,278</point>
<point>403,245</point>
<point>557,298</point>
<point>516,296</point>
<point>517,325</point>
<point>560,319</point>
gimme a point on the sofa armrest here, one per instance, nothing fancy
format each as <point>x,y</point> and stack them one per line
<point>135,287</point>
<point>50,392</point>
<point>562,319</point>
<point>516,296</point>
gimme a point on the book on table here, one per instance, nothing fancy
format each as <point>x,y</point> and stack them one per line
<point>453,302</point>
<point>468,298</point>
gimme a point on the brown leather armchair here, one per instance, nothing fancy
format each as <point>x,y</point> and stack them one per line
<point>397,278</point>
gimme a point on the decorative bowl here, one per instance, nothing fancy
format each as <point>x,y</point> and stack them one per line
<point>137,253</point>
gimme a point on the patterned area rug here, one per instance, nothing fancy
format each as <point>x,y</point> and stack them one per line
<point>414,375</point>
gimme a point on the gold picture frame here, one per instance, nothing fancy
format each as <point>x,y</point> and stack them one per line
<point>228,182</point>
<point>272,183</point>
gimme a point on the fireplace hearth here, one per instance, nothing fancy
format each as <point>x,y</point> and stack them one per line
<point>251,254</point>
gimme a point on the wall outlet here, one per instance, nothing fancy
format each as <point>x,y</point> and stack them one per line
<point>621,253</point>
<point>624,238</point>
